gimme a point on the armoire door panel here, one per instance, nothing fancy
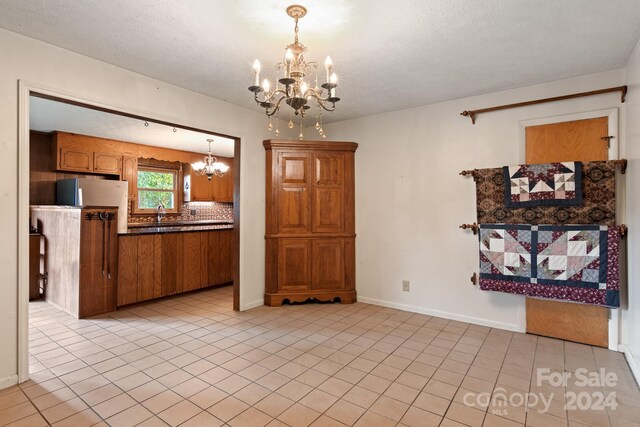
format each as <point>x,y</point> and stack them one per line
<point>295,169</point>
<point>328,208</point>
<point>327,264</point>
<point>294,264</point>
<point>329,169</point>
<point>294,209</point>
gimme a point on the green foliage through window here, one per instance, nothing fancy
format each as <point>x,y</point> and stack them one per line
<point>155,188</point>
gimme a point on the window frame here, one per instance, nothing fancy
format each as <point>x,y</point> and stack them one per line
<point>152,167</point>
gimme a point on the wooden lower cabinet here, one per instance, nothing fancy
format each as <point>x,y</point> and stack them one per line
<point>157,265</point>
<point>310,268</point>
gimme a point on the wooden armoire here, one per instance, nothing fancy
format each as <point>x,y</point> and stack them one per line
<point>310,230</point>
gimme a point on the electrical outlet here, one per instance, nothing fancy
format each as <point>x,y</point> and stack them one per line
<point>405,285</point>
<point>193,212</point>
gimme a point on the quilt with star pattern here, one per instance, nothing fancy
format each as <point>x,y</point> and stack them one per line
<point>547,184</point>
<point>575,263</point>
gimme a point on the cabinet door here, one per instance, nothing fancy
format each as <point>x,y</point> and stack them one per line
<point>74,159</point>
<point>107,163</point>
<point>225,256</point>
<point>146,267</point>
<point>191,261</point>
<point>127,270</point>
<point>93,267</point>
<point>294,187</point>
<point>170,263</point>
<point>327,264</point>
<point>294,265</point>
<point>201,188</point>
<point>328,193</point>
<point>130,174</point>
<point>213,257</point>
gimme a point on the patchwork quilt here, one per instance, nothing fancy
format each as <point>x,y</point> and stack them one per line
<point>576,263</point>
<point>543,184</point>
<point>598,199</point>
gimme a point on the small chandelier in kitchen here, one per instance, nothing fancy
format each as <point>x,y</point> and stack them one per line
<point>210,165</point>
<point>294,85</point>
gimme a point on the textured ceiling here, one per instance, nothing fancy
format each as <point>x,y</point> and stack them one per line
<point>388,55</point>
<point>48,116</point>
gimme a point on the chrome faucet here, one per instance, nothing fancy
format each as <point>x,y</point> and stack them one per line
<point>161,212</point>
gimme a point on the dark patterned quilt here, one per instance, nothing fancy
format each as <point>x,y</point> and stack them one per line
<point>598,199</point>
<point>576,263</point>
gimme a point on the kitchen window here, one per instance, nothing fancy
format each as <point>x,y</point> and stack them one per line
<point>157,186</point>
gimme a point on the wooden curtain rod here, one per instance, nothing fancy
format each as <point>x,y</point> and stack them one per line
<point>621,162</point>
<point>473,113</point>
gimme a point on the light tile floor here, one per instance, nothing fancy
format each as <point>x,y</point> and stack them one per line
<point>192,361</point>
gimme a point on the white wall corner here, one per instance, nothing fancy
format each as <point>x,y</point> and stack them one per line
<point>634,364</point>
<point>8,381</point>
<point>514,327</point>
<point>253,304</point>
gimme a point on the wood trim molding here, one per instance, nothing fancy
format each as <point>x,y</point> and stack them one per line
<point>310,145</point>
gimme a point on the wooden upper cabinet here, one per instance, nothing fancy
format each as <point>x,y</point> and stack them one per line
<point>77,155</point>
<point>107,163</point>
<point>130,174</point>
<point>218,189</point>
<point>328,193</point>
<point>73,159</point>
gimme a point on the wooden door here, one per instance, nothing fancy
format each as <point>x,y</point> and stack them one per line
<point>294,265</point>
<point>327,258</point>
<point>568,141</point>
<point>328,193</point>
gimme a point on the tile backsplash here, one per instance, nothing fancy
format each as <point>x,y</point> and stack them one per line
<point>204,211</point>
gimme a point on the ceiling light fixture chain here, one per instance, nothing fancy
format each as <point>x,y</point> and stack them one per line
<point>296,91</point>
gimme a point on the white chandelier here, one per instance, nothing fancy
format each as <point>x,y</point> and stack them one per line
<point>210,165</point>
<point>293,85</point>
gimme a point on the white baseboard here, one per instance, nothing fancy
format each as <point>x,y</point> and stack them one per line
<point>631,360</point>
<point>8,381</point>
<point>254,304</point>
<point>451,316</point>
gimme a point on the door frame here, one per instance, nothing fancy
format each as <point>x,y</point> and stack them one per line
<point>25,89</point>
<point>613,152</point>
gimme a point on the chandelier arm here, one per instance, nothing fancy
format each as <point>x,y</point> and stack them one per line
<point>273,95</point>
<point>322,103</point>
<point>276,106</point>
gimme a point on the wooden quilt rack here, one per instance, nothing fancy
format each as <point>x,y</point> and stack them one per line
<point>621,162</point>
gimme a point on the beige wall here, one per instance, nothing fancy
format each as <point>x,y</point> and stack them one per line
<point>410,199</point>
<point>67,72</point>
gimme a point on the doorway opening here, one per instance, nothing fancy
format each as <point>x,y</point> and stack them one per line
<point>183,224</point>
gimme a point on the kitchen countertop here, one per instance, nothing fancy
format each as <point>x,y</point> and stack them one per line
<point>176,229</point>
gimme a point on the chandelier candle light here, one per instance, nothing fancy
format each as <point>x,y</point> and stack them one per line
<point>297,91</point>
<point>210,165</point>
